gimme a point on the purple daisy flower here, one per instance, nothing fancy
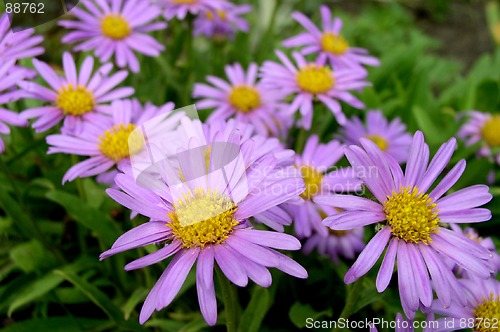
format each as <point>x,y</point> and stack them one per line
<point>390,137</point>
<point>76,97</point>
<point>115,27</point>
<point>244,98</point>
<point>205,219</point>
<point>314,165</point>
<point>17,45</point>
<point>254,147</point>
<point>484,128</point>
<point>223,23</point>
<point>336,244</point>
<point>107,142</point>
<point>329,43</point>
<point>180,8</point>
<point>486,242</point>
<point>481,313</point>
<point>410,222</point>
<point>10,75</point>
<point>311,81</point>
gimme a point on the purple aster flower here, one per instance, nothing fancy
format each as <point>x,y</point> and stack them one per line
<point>205,219</point>
<point>390,137</point>
<point>180,8</point>
<point>10,75</point>
<point>223,23</point>
<point>484,128</point>
<point>254,147</point>
<point>313,81</point>
<point>486,242</point>
<point>329,43</point>
<point>410,217</point>
<point>17,45</point>
<point>108,142</point>
<point>314,165</point>
<point>336,244</point>
<point>115,27</point>
<point>407,325</point>
<point>481,313</point>
<point>244,98</point>
<point>76,97</point>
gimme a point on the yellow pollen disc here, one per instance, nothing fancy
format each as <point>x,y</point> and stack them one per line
<point>413,216</point>
<point>184,2</point>
<point>491,131</point>
<point>244,98</point>
<point>75,100</point>
<point>488,315</point>
<point>315,79</point>
<point>202,218</point>
<point>312,179</point>
<point>337,233</point>
<point>379,141</point>
<point>120,142</point>
<point>220,13</point>
<point>115,26</point>
<point>334,44</point>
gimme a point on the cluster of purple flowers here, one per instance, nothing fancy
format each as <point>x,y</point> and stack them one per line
<point>216,179</point>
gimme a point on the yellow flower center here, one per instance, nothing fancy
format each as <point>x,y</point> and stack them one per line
<point>244,98</point>
<point>75,100</point>
<point>412,215</point>
<point>491,131</point>
<point>315,79</point>
<point>488,315</point>
<point>203,218</point>
<point>334,44</point>
<point>115,26</point>
<point>120,142</point>
<point>184,2</point>
<point>220,14</point>
<point>312,179</point>
<point>379,141</point>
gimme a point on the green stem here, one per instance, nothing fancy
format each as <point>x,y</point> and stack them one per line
<point>5,169</point>
<point>79,181</point>
<point>301,140</point>
<point>230,296</point>
<point>354,292</point>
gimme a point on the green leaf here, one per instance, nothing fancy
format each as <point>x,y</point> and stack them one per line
<point>54,324</point>
<point>14,210</point>
<point>34,290</point>
<point>299,313</point>
<point>368,296</point>
<point>99,222</point>
<point>487,96</point>
<point>32,256</point>
<point>259,304</point>
<point>137,296</point>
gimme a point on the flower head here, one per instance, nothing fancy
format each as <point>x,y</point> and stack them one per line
<point>483,128</point>
<point>313,81</point>
<point>10,75</point>
<point>244,98</point>
<point>180,8</point>
<point>76,97</point>
<point>329,43</point>
<point>200,213</point>
<point>17,45</point>
<point>336,244</point>
<point>481,311</point>
<point>223,23</point>
<point>411,218</point>
<point>315,165</point>
<point>109,142</point>
<point>118,28</point>
<point>390,137</point>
